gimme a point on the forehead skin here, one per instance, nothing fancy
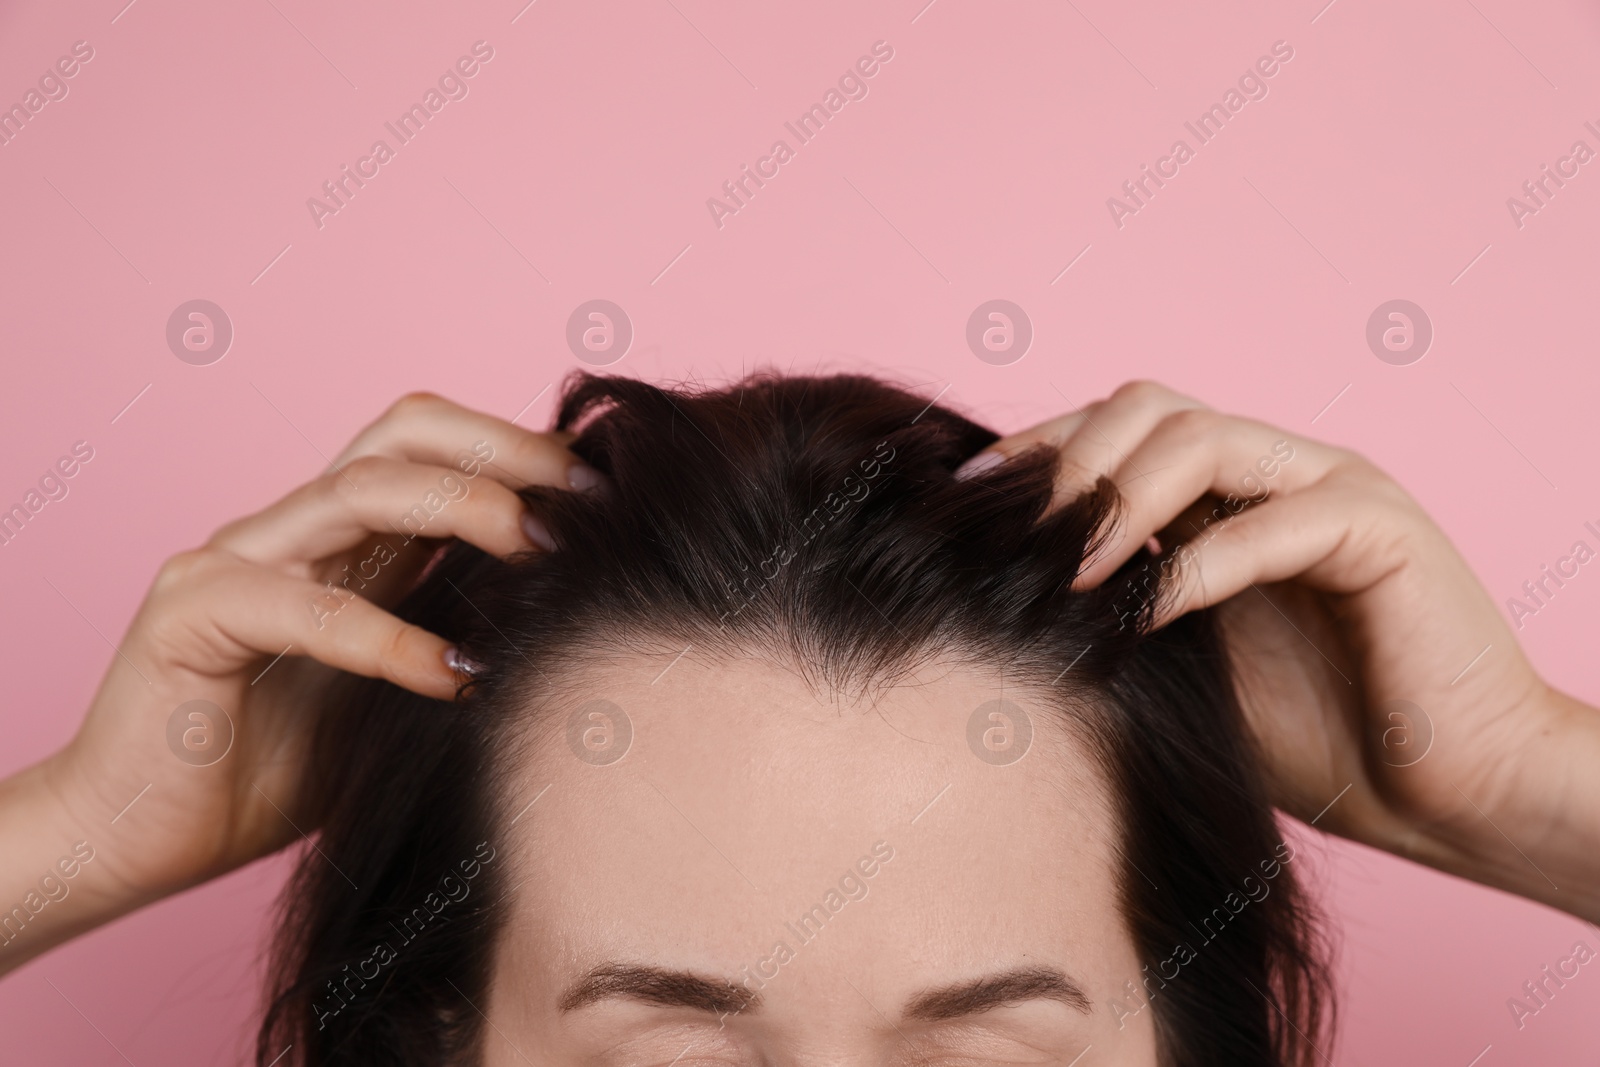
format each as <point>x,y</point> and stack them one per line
<point>743,800</point>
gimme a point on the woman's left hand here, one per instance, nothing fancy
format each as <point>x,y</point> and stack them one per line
<point>1388,695</point>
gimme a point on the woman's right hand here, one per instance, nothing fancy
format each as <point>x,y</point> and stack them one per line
<point>253,623</point>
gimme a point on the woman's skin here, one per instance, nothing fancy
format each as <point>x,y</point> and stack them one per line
<point>1339,597</point>
<point>973,916</point>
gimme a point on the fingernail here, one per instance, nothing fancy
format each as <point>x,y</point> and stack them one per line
<point>536,532</point>
<point>583,477</point>
<point>457,661</point>
<point>983,461</point>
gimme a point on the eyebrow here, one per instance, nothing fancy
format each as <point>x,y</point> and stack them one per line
<point>685,989</point>
<point>656,985</point>
<point>996,991</point>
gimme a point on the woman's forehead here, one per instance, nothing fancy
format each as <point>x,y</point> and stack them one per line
<point>716,778</point>
<point>747,730</point>
<point>726,820</point>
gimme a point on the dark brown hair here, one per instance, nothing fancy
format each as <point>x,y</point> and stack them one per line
<point>816,521</point>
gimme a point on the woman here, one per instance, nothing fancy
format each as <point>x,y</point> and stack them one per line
<point>804,722</point>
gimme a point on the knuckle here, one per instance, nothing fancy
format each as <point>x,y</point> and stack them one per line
<point>227,534</point>
<point>360,473</point>
<point>181,595</point>
<point>163,628</point>
<point>394,651</point>
<point>184,569</point>
<point>1193,423</point>
<point>1353,469</point>
<point>1085,414</point>
<point>1248,537</point>
<point>1359,466</point>
<point>1141,391</point>
<point>1373,483</point>
<point>412,405</point>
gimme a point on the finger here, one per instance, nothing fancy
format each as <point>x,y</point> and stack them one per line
<point>398,500</point>
<point>1195,452</point>
<point>1113,429</point>
<point>1053,434</point>
<point>251,611</point>
<point>1314,537</point>
<point>1092,440</point>
<point>425,428</point>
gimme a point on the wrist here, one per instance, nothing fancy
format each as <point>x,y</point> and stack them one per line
<point>1534,828</point>
<point>60,877</point>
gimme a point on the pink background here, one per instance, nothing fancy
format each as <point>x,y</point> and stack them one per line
<point>978,166</point>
